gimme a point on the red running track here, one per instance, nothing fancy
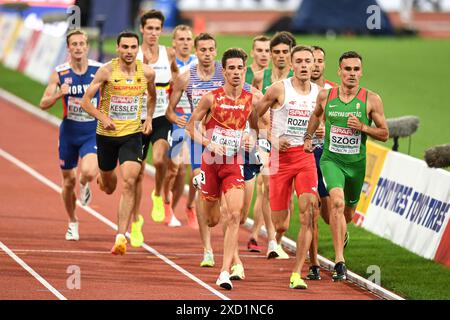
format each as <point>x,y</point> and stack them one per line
<point>33,224</point>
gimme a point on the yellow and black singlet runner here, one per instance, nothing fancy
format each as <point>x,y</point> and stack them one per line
<point>121,100</point>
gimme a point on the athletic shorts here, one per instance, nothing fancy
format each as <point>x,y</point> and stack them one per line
<point>111,149</point>
<point>293,166</point>
<point>179,137</point>
<point>74,144</point>
<point>161,129</point>
<point>252,165</point>
<point>220,178</point>
<point>347,176</point>
<point>321,186</point>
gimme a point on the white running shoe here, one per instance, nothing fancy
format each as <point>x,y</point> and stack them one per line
<point>174,222</point>
<point>224,281</point>
<point>72,232</point>
<point>85,194</point>
<point>272,249</point>
<point>282,255</point>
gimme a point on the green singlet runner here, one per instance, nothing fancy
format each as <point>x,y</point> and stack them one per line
<point>343,161</point>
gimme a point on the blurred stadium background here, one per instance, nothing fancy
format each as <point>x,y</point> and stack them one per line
<point>405,61</point>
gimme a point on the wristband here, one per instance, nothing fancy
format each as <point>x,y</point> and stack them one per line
<point>264,144</point>
<point>307,136</point>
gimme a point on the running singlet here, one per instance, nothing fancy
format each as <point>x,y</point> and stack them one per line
<point>122,98</point>
<point>343,143</point>
<point>74,115</point>
<point>267,79</point>
<point>249,75</point>
<point>184,106</point>
<point>291,120</point>
<point>228,120</point>
<point>197,87</point>
<point>163,75</point>
<point>328,85</point>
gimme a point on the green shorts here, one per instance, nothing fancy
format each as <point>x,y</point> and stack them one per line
<point>347,176</point>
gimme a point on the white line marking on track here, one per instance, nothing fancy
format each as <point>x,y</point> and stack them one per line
<point>107,252</point>
<point>32,272</point>
<point>108,222</point>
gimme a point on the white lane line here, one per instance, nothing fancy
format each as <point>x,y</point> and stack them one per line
<point>100,217</point>
<point>32,272</point>
<point>107,252</point>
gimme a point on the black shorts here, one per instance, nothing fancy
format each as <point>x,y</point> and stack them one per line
<point>321,186</point>
<point>111,149</point>
<point>161,129</point>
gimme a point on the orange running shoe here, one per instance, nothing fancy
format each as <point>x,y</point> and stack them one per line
<point>192,218</point>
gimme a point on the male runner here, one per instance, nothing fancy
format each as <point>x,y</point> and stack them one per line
<point>292,101</point>
<point>281,45</point>
<point>173,186</point>
<point>280,50</point>
<point>225,111</point>
<point>162,61</point>
<point>260,54</point>
<point>261,58</point>
<point>197,81</point>
<point>123,83</point>
<point>318,78</point>
<point>349,111</point>
<point>77,130</point>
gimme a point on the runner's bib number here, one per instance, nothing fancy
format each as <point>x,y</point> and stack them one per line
<point>124,107</point>
<point>229,138</point>
<point>184,105</point>
<point>76,113</point>
<point>297,122</point>
<point>162,101</point>
<point>197,94</point>
<point>345,140</point>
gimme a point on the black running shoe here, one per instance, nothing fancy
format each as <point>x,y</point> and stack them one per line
<point>314,273</point>
<point>340,272</point>
<point>346,239</point>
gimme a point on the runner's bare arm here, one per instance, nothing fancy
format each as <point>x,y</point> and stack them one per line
<point>197,118</point>
<point>253,120</point>
<point>254,116</point>
<point>51,93</point>
<point>149,74</point>
<point>258,79</point>
<point>179,86</point>
<point>314,120</point>
<point>376,113</point>
<point>101,77</point>
<point>273,94</point>
<point>173,63</point>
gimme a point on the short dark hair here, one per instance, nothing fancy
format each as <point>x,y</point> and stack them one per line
<point>152,14</point>
<point>75,32</point>
<point>301,48</point>
<point>283,37</point>
<point>234,53</point>
<point>318,48</point>
<point>261,38</point>
<point>204,36</point>
<point>127,34</point>
<point>349,55</point>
